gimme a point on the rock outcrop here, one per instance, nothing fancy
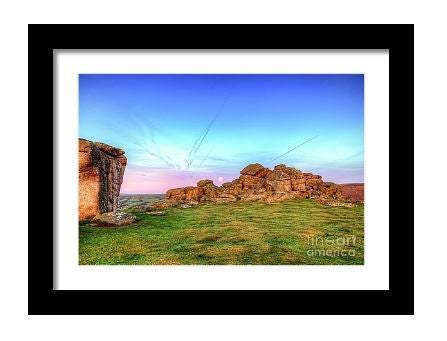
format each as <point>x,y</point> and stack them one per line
<point>353,192</point>
<point>257,183</point>
<point>101,170</point>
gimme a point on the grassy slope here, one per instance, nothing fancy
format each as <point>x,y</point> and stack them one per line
<point>236,233</point>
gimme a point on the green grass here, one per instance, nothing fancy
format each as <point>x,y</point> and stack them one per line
<point>288,232</point>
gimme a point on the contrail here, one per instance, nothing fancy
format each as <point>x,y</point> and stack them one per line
<point>157,154</point>
<point>201,137</point>
<point>199,141</point>
<point>147,132</point>
<point>346,158</point>
<point>291,150</point>
<point>160,157</point>
<point>198,137</point>
<point>354,155</point>
<point>204,135</point>
<point>199,144</point>
<point>206,156</point>
<point>195,144</point>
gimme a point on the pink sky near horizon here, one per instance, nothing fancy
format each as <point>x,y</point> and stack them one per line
<point>151,182</point>
<point>143,181</point>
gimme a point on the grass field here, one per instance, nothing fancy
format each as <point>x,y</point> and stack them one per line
<point>289,232</point>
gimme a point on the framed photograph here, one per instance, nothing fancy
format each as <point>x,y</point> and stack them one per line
<point>253,173</point>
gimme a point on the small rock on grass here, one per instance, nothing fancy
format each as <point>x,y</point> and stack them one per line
<point>339,204</point>
<point>114,219</point>
<point>156,212</point>
<point>185,205</point>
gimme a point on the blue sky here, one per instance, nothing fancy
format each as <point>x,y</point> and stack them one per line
<point>177,129</point>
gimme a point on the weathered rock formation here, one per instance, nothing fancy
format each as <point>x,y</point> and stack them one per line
<point>101,170</point>
<point>257,183</point>
<point>353,192</point>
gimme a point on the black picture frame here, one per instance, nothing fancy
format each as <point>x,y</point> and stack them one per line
<point>44,39</point>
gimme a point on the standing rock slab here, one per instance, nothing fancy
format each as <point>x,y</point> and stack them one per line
<point>101,170</point>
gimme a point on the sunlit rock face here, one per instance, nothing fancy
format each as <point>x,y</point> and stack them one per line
<point>101,171</point>
<point>353,192</point>
<point>258,183</point>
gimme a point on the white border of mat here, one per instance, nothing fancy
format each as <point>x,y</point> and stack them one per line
<point>372,275</point>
